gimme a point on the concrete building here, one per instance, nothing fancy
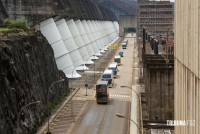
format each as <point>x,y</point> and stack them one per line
<point>156,17</point>
<point>127,23</point>
<point>187,64</point>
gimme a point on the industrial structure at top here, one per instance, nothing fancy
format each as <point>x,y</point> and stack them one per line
<point>156,17</point>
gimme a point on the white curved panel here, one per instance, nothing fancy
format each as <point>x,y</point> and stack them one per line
<point>76,60</point>
<point>59,48</point>
<point>90,38</point>
<point>85,26</point>
<point>49,30</point>
<point>75,33</point>
<point>70,44</point>
<point>65,64</point>
<point>97,36</point>
<point>63,29</point>
<point>102,40</point>
<point>78,40</point>
<point>69,74</point>
<point>72,28</point>
<point>63,60</point>
<point>85,40</point>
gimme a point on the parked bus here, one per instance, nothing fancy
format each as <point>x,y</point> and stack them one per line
<point>113,67</point>
<point>118,60</point>
<point>102,94</point>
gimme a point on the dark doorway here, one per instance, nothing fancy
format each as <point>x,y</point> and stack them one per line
<point>129,30</point>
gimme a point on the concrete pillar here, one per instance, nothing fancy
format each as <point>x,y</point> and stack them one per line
<point>89,46</point>
<point>78,40</point>
<point>85,41</point>
<point>93,37</point>
<point>70,44</point>
<point>97,36</point>
<point>61,54</point>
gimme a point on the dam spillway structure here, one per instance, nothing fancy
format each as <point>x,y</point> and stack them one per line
<point>78,40</point>
<point>70,45</point>
<point>76,43</point>
<point>63,60</point>
<point>86,41</point>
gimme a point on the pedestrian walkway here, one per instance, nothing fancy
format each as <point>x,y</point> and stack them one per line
<point>136,111</point>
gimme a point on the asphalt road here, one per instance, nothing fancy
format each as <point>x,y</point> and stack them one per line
<point>100,118</point>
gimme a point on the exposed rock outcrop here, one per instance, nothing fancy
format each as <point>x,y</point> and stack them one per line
<point>27,69</point>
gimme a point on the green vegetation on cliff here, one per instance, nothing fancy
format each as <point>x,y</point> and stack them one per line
<point>14,27</point>
<point>16,24</point>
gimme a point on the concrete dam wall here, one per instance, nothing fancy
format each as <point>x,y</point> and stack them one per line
<point>36,11</point>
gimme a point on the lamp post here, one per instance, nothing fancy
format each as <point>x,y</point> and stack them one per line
<point>86,84</point>
<point>94,62</point>
<point>132,90</point>
<point>140,105</point>
<point>48,132</point>
<point>94,71</point>
<point>72,87</point>
<point>32,103</point>
<point>122,116</point>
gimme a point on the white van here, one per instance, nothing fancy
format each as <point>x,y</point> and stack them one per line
<point>125,41</point>
<point>124,45</point>
<point>113,67</point>
<point>108,76</point>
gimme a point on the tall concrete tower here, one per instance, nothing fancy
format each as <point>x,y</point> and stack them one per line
<point>187,66</point>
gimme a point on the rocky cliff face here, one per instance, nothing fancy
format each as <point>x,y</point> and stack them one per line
<point>27,69</point>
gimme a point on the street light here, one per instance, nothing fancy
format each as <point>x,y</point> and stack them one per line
<point>72,87</point>
<point>86,84</point>
<point>94,62</point>
<point>36,102</point>
<point>94,71</point>
<point>122,116</point>
<point>48,132</point>
<point>132,90</point>
<point>140,105</point>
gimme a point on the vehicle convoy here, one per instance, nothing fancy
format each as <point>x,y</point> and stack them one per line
<point>113,67</point>
<point>102,93</point>
<point>108,76</point>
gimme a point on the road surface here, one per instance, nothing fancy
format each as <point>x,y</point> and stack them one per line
<point>100,118</point>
